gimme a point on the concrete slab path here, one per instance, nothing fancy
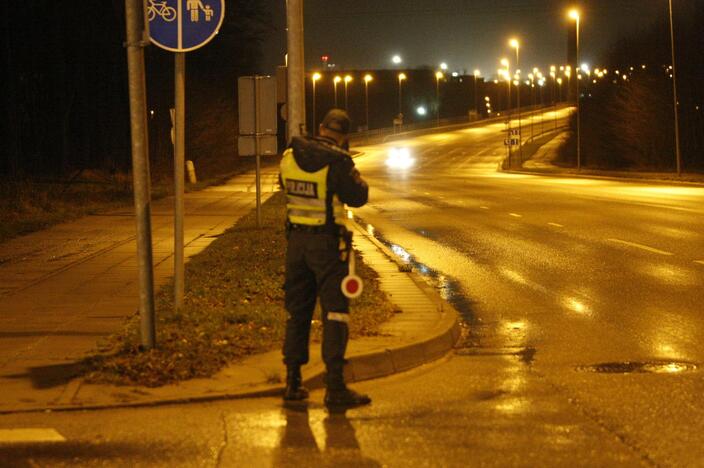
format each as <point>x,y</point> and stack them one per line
<point>65,288</point>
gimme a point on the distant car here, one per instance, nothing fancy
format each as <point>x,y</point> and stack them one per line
<point>399,158</point>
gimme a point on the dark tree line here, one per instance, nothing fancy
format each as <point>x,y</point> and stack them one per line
<point>629,123</point>
<point>64,80</point>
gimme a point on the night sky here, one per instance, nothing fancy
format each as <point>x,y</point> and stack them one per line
<point>467,34</point>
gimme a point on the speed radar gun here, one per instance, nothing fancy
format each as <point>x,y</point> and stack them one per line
<point>352,284</point>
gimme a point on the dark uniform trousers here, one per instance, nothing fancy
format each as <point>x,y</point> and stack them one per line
<point>314,268</point>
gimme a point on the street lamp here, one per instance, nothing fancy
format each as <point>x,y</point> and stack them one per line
<point>401,78</point>
<point>507,74</point>
<point>396,60</point>
<point>575,15</point>
<point>438,76</point>
<point>315,78</point>
<point>476,105</point>
<point>531,76</point>
<point>367,79</point>
<point>553,75</point>
<point>678,154</point>
<point>516,45</point>
<point>335,81</point>
<point>348,79</point>
<point>541,84</point>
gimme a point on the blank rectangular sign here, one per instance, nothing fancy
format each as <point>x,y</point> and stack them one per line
<point>267,145</point>
<point>262,105</point>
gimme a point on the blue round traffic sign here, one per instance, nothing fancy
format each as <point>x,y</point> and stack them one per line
<point>184,25</point>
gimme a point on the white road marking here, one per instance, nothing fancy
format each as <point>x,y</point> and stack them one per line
<point>30,435</point>
<point>484,207</point>
<point>515,215</point>
<point>555,225</point>
<point>640,246</point>
<point>701,262</point>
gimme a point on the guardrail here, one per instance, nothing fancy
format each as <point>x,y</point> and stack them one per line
<point>382,135</point>
<point>379,134</point>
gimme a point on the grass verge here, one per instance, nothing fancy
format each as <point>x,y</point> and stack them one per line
<point>233,309</point>
<point>30,205</point>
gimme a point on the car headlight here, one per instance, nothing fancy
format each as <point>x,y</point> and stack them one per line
<point>399,158</point>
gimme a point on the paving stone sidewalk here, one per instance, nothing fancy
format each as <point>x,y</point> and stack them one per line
<point>65,288</point>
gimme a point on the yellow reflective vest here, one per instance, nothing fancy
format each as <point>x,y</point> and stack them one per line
<point>307,194</point>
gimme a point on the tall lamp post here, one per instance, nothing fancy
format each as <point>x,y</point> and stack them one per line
<point>314,78</point>
<point>541,85</point>
<point>575,15</point>
<point>335,82</point>
<point>367,79</point>
<point>401,79</point>
<point>531,77</point>
<point>438,76</point>
<point>348,79</point>
<point>507,70</point>
<point>517,45</point>
<point>678,154</point>
<point>476,101</point>
<point>553,75</point>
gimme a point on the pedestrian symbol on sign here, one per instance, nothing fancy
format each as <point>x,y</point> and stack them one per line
<point>195,7</point>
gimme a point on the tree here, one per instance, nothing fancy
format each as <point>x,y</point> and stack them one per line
<point>64,77</point>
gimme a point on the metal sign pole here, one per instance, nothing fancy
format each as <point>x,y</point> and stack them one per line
<point>508,138</point>
<point>296,104</point>
<point>134,13</point>
<point>257,151</point>
<point>678,152</point>
<point>179,176</point>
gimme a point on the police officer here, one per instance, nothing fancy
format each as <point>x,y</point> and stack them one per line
<point>318,176</point>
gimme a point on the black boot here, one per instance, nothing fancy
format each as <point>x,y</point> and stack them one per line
<point>294,390</point>
<point>345,398</point>
<point>338,396</point>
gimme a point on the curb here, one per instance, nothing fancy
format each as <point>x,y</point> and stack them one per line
<point>555,171</point>
<point>631,180</point>
<point>410,355</point>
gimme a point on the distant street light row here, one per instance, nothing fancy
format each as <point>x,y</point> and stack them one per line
<point>536,77</point>
<point>401,78</point>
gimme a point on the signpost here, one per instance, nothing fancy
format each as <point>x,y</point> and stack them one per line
<point>140,167</point>
<point>258,123</point>
<point>182,26</point>
<point>512,141</point>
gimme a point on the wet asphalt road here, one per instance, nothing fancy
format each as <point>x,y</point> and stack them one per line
<point>463,411</point>
<point>570,272</point>
<point>552,275</point>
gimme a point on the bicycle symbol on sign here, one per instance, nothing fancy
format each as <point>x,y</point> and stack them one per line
<point>166,12</point>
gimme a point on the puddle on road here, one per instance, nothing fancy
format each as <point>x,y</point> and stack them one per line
<point>478,338</point>
<point>643,367</point>
<point>449,288</point>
